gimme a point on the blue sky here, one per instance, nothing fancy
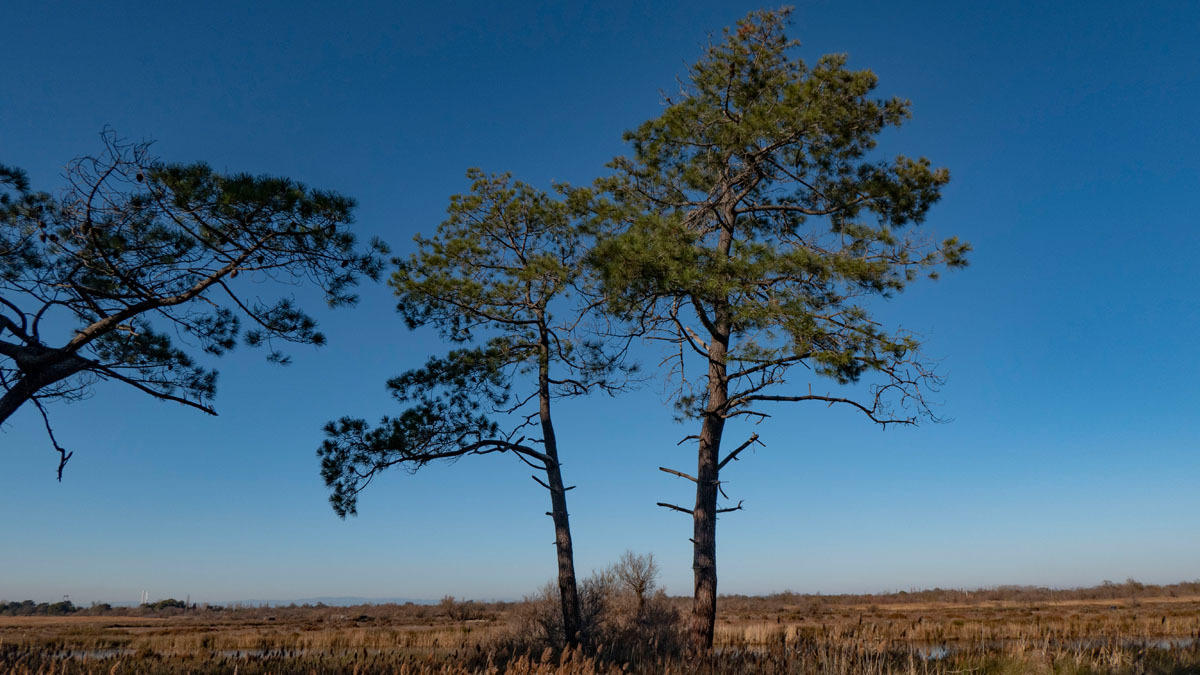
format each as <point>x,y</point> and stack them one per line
<point>1069,130</point>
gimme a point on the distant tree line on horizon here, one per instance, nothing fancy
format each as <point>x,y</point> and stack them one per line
<point>66,607</point>
<point>465,609</point>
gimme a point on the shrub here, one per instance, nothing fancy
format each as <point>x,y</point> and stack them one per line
<point>622,617</point>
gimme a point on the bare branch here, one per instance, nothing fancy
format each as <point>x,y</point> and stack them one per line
<point>63,455</point>
<point>871,413</point>
<point>732,456</point>
<point>735,508</point>
<point>677,473</point>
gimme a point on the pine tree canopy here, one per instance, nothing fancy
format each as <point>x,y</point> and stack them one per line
<point>754,210</point>
<point>101,282</point>
<point>504,277</point>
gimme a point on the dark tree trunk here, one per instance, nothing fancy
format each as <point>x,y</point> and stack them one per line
<point>44,369</point>
<point>12,400</point>
<point>704,516</point>
<point>567,588</point>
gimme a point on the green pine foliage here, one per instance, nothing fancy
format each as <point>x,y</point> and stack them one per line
<point>754,209</point>
<point>504,278</point>
<point>100,283</point>
<point>752,227</point>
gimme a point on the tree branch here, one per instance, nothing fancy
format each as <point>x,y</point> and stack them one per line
<point>871,413</point>
<point>63,455</point>
<point>677,473</point>
<point>734,508</point>
<point>732,456</point>
<point>108,372</point>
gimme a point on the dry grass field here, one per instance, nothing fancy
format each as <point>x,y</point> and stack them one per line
<point>1127,628</point>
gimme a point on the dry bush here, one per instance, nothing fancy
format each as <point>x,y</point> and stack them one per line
<point>622,618</point>
<point>538,620</point>
<point>462,610</point>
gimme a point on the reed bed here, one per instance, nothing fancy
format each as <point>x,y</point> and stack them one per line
<point>780,634</point>
<point>804,658</point>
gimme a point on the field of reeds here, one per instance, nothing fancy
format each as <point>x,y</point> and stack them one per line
<point>1116,628</point>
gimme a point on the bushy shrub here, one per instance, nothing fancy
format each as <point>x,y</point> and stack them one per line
<point>622,616</point>
<point>461,610</point>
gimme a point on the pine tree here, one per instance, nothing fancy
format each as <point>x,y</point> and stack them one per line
<point>754,224</point>
<point>504,278</point>
<point>93,284</point>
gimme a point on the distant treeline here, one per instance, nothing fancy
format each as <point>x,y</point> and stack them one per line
<point>1107,590</point>
<point>452,609</point>
<point>31,608</point>
<point>66,607</point>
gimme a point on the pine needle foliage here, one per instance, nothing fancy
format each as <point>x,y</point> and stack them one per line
<point>505,278</point>
<point>754,226</point>
<point>139,265</point>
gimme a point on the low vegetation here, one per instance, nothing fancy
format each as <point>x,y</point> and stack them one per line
<point>1113,628</point>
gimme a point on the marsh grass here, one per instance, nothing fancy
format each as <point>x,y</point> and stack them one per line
<point>784,634</point>
<point>802,658</point>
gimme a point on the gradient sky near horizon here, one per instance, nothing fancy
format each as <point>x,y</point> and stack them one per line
<point>1071,451</point>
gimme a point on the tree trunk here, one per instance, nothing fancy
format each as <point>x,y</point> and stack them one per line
<point>704,516</point>
<point>568,591</point>
<point>14,398</point>
<point>33,381</point>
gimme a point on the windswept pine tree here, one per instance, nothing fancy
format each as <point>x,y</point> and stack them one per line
<point>755,225</point>
<point>95,283</point>
<point>504,277</point>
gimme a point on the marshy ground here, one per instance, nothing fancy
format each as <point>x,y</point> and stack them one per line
<point>1115,628</point>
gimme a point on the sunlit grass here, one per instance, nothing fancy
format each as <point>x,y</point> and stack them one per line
<point>883,635</point>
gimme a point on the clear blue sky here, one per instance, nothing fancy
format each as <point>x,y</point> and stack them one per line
<point>1070,132</point>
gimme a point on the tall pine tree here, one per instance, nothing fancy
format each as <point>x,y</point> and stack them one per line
<point>504,278</point>
<point>754,224</point>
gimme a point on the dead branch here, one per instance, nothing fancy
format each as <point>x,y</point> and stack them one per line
<point>63,455</point>
<point>732,456</point>
<point>677,473</point>
<point>733,508</point>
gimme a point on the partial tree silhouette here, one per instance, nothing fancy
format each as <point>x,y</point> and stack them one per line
<point>503,277</point>
<point>139,264</point>
<point>754,227</point>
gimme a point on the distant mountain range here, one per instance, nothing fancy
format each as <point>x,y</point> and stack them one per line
<point>334,601</point>
<point>344,601</point>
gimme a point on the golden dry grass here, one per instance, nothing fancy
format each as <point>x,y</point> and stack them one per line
<point>778,634</point>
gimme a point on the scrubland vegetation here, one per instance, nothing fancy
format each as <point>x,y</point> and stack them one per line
<point>1112,628</point>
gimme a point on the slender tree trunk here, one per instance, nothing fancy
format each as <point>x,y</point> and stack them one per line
<point>14,398</point>
<point>567,588</point>
<point>704,516</point>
